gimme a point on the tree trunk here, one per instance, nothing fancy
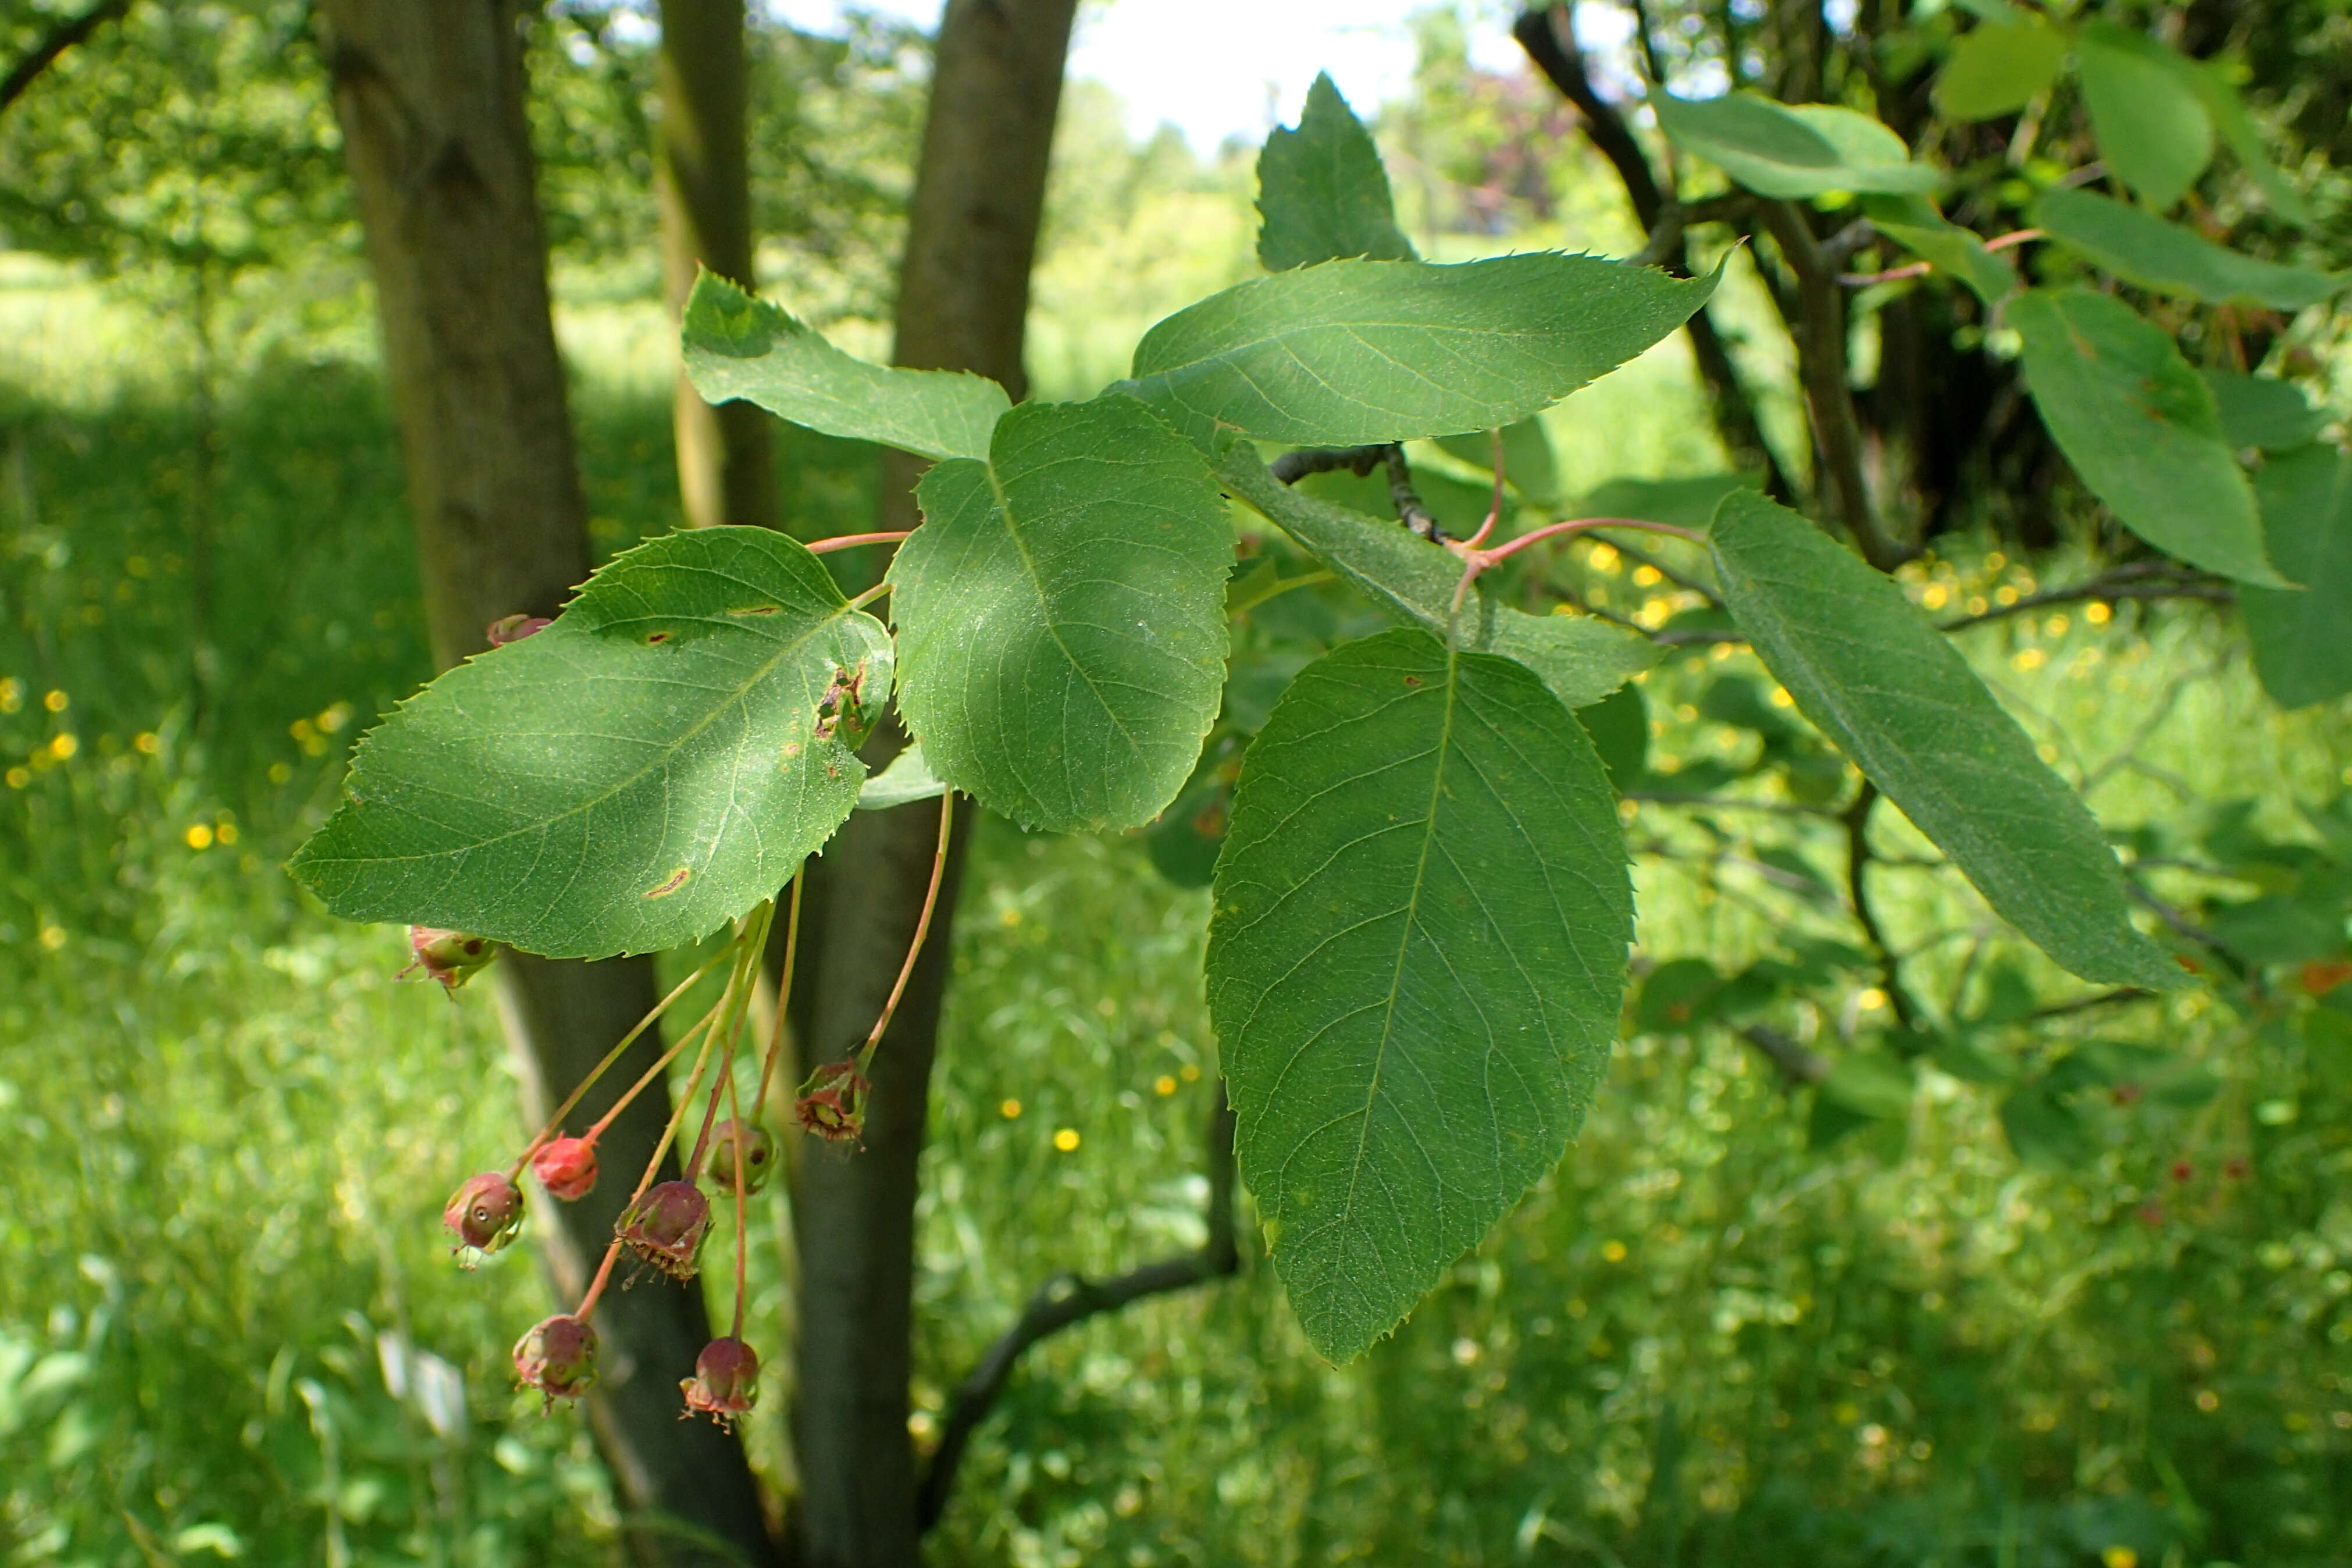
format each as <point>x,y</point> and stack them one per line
<point>429,94</point>
<point>726,465</point>
<point>963,301</point>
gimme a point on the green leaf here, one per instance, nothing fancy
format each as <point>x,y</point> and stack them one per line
<point>740,347</point>
<point>1580,658</point>
<point>2140,427</point>
<point>1356,352</point>
<point>1620,727</point>
<point>1792,149</point>
<point>2043,1132</point>
<point>1415,965</point>
<point>2279,930</point>
<point>909,778</point>
<point>2248,144</point>
<point>2263,412</point>
<point>2141,248</point>
<point>1061,616</point>
<point>1322,191</point>
<point>1872,1084</point>
<point>1999,67</point>
<point>652,764</point>
<point>2153,130</point>
<point>2302,639</point>
<point>1896,698</point>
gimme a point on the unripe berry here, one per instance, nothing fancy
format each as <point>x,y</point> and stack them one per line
<point>513,628</point>
<point>726,1381</point>
<point>832,1103</point>
<point>566,1167</point>
<point>452,957</point>
<point>486,1213</point>
<point>557,1357</point>
<point>747,1143</point>
<point>665,1227</point>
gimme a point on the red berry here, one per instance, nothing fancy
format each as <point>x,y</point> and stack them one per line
<point>566,1167</point>
<point>2237,1168</point>
<point>486,1212</point>
<point>557,1357</point>
<point>452,957</point>
<point>2182,1170</point>
<point>513,628</point>
<point>726,1381</point>
<point>832,1103</point>
<point>665,1227</point>
<point>2150,1213</point>
<point>2127,1093</point>
<point>755,1145</point>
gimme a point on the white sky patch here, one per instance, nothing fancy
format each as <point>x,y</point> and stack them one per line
<point>1220,69</point>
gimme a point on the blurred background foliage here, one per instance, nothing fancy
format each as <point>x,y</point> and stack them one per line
<point>2069,1288</point>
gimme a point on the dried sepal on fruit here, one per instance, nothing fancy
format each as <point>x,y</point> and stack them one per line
<point>451,957</point>
<point>832,1103</point>
<point>726,1381</point>
<point>747,1144</point>
<point>557,1357</point>
<point>485,1212</point>
<point>666,1225</point>
<point>513,628</point>
<point>566,1167</point>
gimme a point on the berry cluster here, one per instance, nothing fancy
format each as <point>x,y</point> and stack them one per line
<point>663,1225</point>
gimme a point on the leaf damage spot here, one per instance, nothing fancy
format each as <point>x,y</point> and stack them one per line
<point>755,610</point>
<point>653,638</point>
<point>669,884</point>
<point>841,711</point>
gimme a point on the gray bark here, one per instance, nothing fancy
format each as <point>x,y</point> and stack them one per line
<point>429,94</point>
<point>963,302</point>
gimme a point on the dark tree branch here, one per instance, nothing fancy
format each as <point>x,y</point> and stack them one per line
<point>1858,857</point>
<point>68,32</point>
<point>1544,34</point>
<point>1818,327</point>
<point>2114,998</point>
<point>1292,467</point>
<point>1069,1298</point>
<point>1726,803</point>
<point>1800,1065</point>
<point>2140,580</point>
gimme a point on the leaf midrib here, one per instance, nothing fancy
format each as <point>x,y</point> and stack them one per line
<point>1405,940</point>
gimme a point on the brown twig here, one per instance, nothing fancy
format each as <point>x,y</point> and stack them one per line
<point>1551,43</point>
<point>1292,467</point>
<point>69,31</point>
<point>1800,1065</point>
<point>1819,325</point>
<point>1858,857</point>
<point>2140,580</point>
<point>1069,1298</point>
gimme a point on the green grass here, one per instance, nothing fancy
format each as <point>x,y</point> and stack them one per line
<point>1698,1341</point>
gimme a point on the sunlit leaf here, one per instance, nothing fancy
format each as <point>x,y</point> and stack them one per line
<point>1322,192</point>
<point>1356,351</point>
<point>2141,429</point>
<point>1999,67</point>
<point>2153,130</point>
<point>1415,965</point>
<point>1897,698</point>
<point>655,762</point>
<point>2141,248</point>
<point>1791,150</point>
<point>1061,616</point>
<point>740,347</point>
